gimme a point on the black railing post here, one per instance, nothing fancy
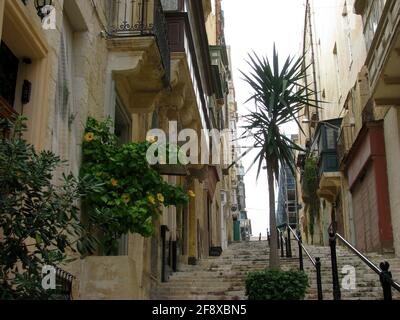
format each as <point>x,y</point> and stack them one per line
<point>385,278</point>
<point>278,238</point>
<point>282,253</point>
<point>268,238</point>
<point>319,280</point>
<point>164,257</point>
<point>289,244</point>
<point>286,245</point>
<point>335,275</point>
<point>300,251</point>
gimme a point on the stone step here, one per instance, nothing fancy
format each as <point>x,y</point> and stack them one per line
<point>221,278</point>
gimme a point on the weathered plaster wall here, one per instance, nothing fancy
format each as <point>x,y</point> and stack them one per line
<point>392,138</point>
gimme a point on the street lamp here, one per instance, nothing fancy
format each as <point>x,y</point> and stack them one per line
<point>40,4</point>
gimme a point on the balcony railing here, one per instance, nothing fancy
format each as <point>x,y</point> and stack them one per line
<point>139,18</point>
<point>63,289</point>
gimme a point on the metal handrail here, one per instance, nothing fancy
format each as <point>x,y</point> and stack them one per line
<point>315,262</point>
<point>302,246</point>
<point>368,262</point>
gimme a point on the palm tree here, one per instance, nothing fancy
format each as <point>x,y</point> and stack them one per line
<point>279,95</point>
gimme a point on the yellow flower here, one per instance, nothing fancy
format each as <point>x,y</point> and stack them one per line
<point>151,139</point>
<point>160,197</point>
<point>89,136</point>
<point>191,194</point>
<point>151,199</point>
<point>114,182</point>
<point>126,198</point>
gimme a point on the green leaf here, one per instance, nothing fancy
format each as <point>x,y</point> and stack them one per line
<point>38,238</point>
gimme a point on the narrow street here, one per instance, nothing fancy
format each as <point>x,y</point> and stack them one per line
<point>151,149</point>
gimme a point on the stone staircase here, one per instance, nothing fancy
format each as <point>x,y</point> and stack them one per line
<point>222,278</point>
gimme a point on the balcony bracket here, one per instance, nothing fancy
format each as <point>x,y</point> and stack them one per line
<point>329,186</point>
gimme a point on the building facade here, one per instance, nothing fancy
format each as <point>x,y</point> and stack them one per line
<point>143,63</point>
<point>351,49</point>
<point>287,204</point>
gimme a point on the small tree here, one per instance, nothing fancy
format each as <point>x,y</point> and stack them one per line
<point>39,221</point>
<point>279,95</point>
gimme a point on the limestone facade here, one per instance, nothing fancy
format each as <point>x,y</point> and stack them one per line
<point>352,49</point>
<point>90,65</point>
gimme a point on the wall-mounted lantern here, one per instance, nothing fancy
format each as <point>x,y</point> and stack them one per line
<point>40,4</point>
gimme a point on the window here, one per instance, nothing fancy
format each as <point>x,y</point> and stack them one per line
<point>155,123</point>
<point>371,18</point>
<point>330,138</point>
<point>123,123</point>
<point>213,6</point>
<point>8,73</point>
<point>347,30</point>
<point>172,5</point>
<point>336,58</point>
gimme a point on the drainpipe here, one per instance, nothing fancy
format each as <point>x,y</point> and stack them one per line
<point>312,54</point>
<point>304,66</point>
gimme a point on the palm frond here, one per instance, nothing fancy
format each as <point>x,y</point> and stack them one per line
<point>279,94</point>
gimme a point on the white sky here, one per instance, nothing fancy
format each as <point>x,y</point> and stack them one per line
<point>254,25</point>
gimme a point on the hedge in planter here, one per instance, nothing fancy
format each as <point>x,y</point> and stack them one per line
<point>276,285</point>
<point>131,194</point>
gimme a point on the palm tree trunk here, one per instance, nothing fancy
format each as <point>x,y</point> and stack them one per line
<point>273,254</point>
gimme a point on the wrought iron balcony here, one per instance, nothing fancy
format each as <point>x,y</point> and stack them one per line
<point>141,18</point>
<point>63,289</point>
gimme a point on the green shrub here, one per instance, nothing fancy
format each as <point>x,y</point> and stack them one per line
<point>39,219</point>
<point>276,285</point>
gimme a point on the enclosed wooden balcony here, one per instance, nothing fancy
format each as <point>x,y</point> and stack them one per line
<point>326,139</point>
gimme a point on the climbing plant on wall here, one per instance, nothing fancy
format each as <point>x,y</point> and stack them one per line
<point>310,187</point>
<point>132,193</point>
